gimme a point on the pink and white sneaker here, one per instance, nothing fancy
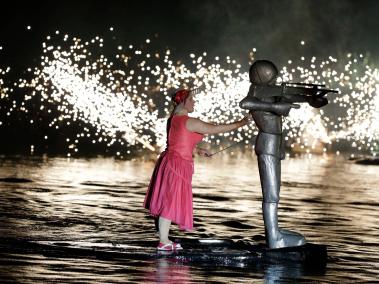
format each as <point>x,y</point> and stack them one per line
<point>169,247</point>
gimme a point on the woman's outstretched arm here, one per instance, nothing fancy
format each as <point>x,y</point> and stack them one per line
<point>199,126</point>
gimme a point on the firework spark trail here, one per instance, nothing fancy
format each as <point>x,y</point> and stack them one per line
<point>82,94</point>
<point>130,99</point>
<point>3,89</point>
<point>355,109</point>
<point>359,123</point>
<point>94,102</point>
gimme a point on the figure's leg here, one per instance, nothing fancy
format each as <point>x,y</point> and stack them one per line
<point>164,228</point>
<point>269,171</point>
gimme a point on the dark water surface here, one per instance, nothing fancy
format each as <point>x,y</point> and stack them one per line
<point>328,199</point>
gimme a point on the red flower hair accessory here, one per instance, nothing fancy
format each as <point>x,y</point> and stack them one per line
<point>180,96</point>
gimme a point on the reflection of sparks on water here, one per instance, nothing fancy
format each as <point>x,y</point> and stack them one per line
<point>125,99</point>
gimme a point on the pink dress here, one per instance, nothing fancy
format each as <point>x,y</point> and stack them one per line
<point>170,191</point>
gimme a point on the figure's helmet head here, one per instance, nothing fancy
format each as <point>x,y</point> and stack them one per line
<point>263,72</point>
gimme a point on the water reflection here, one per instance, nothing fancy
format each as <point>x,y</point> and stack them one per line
<point>171,271</point>
<point>100,200</point>
<point>168,271</point>
<point>275,273</point>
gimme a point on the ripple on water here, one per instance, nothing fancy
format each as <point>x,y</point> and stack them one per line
<point>96,201</point>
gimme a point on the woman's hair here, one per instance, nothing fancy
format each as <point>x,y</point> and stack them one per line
<point>178,100</point>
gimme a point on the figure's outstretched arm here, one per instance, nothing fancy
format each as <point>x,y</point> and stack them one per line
<point>254,104</point>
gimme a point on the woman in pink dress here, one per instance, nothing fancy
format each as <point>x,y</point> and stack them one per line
<point>169,195</point>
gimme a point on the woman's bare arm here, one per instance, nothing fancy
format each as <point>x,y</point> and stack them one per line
<point>199,126</point>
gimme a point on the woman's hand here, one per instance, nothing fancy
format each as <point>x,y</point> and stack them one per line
<point>247,119</point>
<point>203,152</point>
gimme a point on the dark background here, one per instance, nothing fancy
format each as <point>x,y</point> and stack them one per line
<point>220,28</point>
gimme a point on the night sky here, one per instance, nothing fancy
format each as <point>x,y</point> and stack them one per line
<point>275,28</point>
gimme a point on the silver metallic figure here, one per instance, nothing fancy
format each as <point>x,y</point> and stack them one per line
<point>268,103</point>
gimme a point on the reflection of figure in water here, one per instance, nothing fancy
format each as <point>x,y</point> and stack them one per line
<point>268,103</point>
<point>169,196</point>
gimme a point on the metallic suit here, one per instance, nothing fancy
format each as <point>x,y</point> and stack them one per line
<point>268,103</point>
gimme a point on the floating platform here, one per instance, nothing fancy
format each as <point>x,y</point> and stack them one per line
<point>215,251</point>
<point>368,161</point>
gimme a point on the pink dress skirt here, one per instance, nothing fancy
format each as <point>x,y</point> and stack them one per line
<point>170,190</point>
